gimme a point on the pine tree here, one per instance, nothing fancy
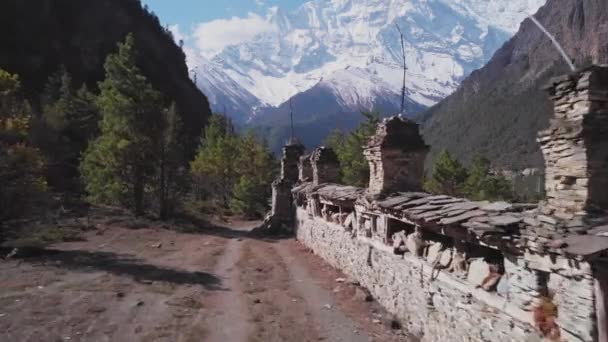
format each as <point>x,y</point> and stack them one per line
<point>448,176</point>
<point>70,119</point>
<point>215,166</point>
<point>354,168</point>
<point>482,184</point>
<point>119,164</point>
<point>256,172</point>
<point>171,170</point>
<point>21,166</point>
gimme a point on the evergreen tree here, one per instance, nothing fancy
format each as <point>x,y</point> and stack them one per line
<point>448,176</point>
<point>354,168</point>
<point>235,171</point>
<point>70,119</point>
<point>257,170</point>
<point>120,163</point>
<point>215,166</point>
<point>171,170</point>
<point>21,166</point>
<point>482,184</point>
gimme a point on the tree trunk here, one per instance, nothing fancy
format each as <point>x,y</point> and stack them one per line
<point>138,193</point>
<point>163,192</point>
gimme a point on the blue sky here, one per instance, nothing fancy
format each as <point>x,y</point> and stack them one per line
<point>189,13</point>
<point>208,26</point>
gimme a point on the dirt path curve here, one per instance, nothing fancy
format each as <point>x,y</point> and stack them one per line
<point>230,320</point>
<point>215,284</point>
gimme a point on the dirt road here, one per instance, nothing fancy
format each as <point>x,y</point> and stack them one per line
<point>154,284</point>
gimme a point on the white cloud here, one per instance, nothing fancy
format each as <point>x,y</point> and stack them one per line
<point>212,37</point>
<point>259,2</point>
<point>177,33</point>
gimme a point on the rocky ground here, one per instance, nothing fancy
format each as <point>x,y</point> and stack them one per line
<point>147,281</point>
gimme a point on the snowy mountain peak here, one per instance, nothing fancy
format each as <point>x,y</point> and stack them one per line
<point>353,48</point>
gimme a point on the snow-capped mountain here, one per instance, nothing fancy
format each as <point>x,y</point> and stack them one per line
<point>352,49</point>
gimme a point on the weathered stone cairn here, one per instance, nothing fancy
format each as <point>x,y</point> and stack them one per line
<point>291,158</point>
<point>396,155</point>
<point>282,213</point>
<point>575,147</point>
<point>305,168</point>
<point>325,166</point>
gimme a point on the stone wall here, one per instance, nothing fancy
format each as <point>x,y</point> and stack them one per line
<point>440,306</point>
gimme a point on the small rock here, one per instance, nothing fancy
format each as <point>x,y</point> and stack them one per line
<point>257,301</point>
<point>395,324</point>
<point>363,295</point>
<point>376,321</point>
<point>120,295</point>
<point>557,244</point>
<point>327,307</point>
<point>340,280</point>
<point>157,245</point>
<point>140,303</point>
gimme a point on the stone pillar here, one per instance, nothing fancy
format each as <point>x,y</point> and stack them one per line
<point>282,200</point>
<point>325,166</point>
<point>575,148</point>
<point>396,155</point>
<point>305,169</point>
<point>289,163</point>
<point>282,213</point>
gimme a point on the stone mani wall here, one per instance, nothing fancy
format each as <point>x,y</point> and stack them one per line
<point>443,309</point>
<point>575,148</point>
<point>450,287</point>
<point>439,306</point>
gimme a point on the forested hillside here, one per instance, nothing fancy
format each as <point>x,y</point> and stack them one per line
<point>39,36</point>
<point>499,109</point>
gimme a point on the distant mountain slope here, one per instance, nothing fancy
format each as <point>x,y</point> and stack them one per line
<point>332,41</point>
<point>498,110</point>
<point>38,36</point>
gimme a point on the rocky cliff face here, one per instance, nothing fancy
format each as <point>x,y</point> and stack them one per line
<point>499,109</point>
<point>38,36</point>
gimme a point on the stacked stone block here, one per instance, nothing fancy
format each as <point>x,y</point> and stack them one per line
<point>289,163</point>
<point>575,147</point>
<point>325,166</point>
<point>396,155</point>
<point>282,213</point>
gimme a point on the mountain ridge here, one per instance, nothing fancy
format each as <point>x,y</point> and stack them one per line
<point>498,110</point>
<point>445,41</point>
<point>43,35</point>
